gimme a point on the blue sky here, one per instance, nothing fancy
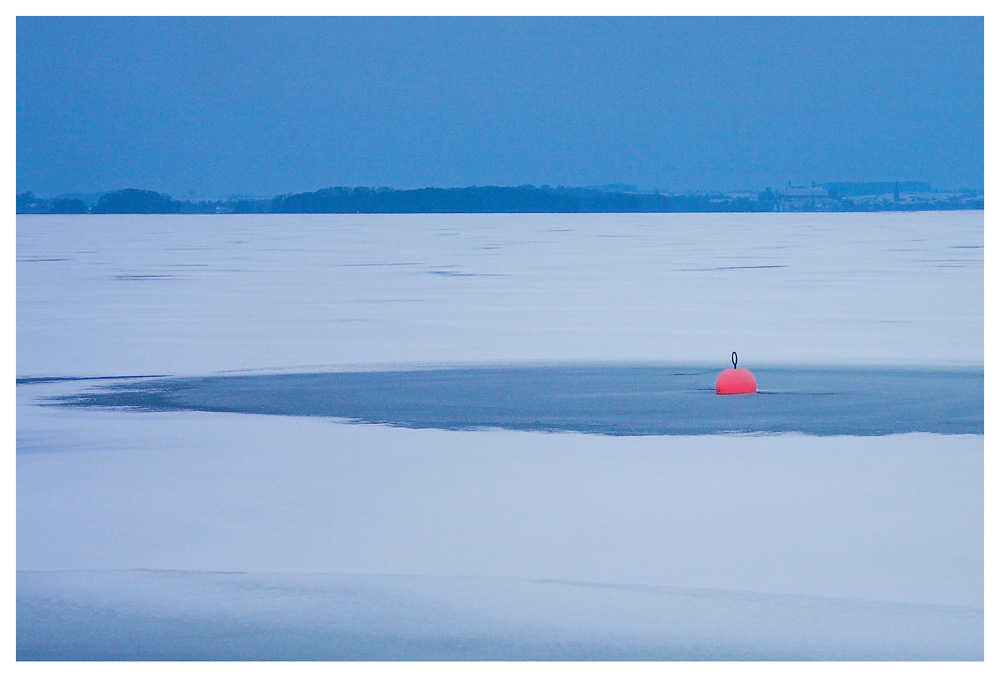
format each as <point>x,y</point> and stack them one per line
<point>213,107</point>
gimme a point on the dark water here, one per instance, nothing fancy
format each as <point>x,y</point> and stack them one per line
<point>612,400</point>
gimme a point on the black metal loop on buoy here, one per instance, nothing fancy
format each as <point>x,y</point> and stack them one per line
<point>734,360</point>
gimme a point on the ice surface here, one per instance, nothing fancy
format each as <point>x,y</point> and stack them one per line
<point>661,547</point>
<point>372,541</point>
<point>105,295</point>
<point>892,518</point>
<point>171,614</point>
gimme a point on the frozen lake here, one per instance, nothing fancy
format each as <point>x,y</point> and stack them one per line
<point>175,517</point>
<point>111,295</point>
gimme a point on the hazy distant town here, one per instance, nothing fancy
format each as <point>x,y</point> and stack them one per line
<point>828,197</point>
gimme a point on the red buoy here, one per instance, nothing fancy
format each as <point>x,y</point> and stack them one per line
<point>735,381</point>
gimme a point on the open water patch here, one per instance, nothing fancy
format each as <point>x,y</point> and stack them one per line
<point>601,399</point>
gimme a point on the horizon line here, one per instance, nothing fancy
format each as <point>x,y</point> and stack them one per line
<point>602,188</point>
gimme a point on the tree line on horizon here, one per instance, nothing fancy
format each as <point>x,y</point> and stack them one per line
<point>500,199</point>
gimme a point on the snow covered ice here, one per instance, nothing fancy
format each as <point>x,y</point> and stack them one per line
<point>104,295</point>
<point>178,535</point>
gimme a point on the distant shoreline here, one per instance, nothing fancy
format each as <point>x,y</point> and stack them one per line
<point>831,197</point>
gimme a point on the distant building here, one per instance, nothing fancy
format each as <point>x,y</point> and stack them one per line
<point>803,198</point>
